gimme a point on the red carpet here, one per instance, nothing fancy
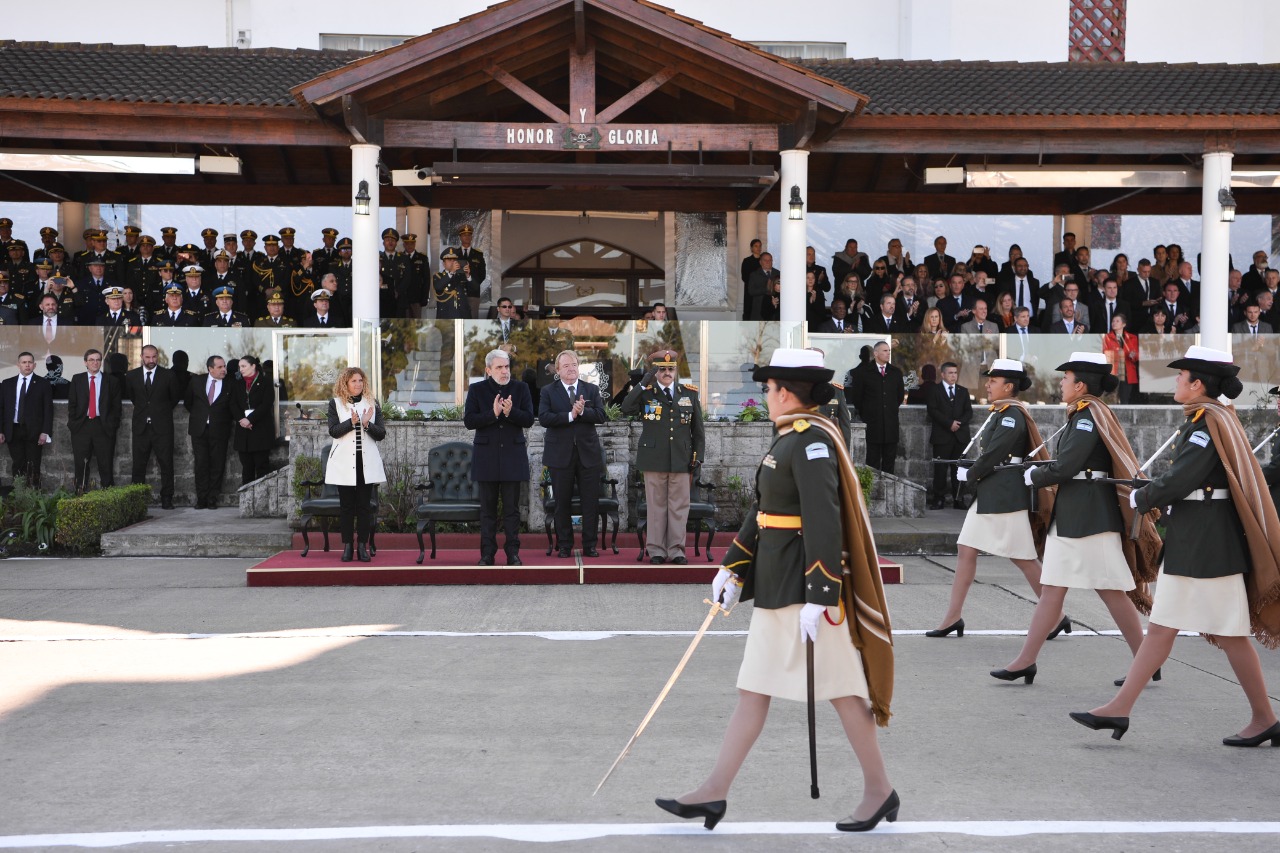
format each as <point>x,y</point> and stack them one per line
<point>396,564</point>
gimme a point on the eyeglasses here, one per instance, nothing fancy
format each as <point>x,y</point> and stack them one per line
<point>879,269</point>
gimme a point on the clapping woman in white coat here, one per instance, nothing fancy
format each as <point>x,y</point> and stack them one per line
<point>355,466</point>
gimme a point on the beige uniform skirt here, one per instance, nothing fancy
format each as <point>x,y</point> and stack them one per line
<point>1088,562</point>
<point>1217,606</point>
<point>1004,534</point>
<point>774,661</point>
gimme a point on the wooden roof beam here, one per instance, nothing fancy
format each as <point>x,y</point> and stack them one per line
<point>527,94</point>
<point>637,94</point>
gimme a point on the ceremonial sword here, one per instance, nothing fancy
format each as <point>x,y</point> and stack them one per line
<point>1262,443</point>
<point>962,462</point>
<point>1135,529</point>
<point>666,688</point>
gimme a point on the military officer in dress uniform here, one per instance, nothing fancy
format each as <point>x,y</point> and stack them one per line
<point>11,312</point>
<point>275,313</point>
<point>22,273</point>
<point>194,296</point>
<point>114,313</point>
<point>168,248</point>
<point>17,251</point>
<point>393,277</point>
<point>141,272</point>
<point>220,275</point>
<point>999,521</point>
<point>290,252</point>
<point>449,288</point>
<point>672,447</point>
<point>341,268</point>
<point>322,257</point>
<point>6,229</point>
<point>272,272</point>
<point>58,257</point>
<point>224,317</point>
<point>210,249</point>
<point>132,236</point>
<point>98,252</point>
<point>174,313</point>
<point>473,267</point>
<point>838,407</point>
<point>419,274</point>
<point>302,283</point>
<point>48,236</point>
<point>320,316</point>
<point>246,259</point>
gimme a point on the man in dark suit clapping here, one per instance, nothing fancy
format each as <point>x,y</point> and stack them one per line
<point>949,410</point>
<point>499,411</point>
<point>27,404</point>
<point>154,392</point>
<point>570,410</point>
<point>93,417</point>
<point>209,402</point>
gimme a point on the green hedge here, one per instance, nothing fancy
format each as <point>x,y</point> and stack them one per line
<point>82,520</point>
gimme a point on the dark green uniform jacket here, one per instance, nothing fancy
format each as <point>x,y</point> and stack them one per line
<point>1203,539</point>
<point>838,411</point>
<point>672,433</point>
<point>798,476</point>
<point>1004,438</point>
<point>1083,507</point>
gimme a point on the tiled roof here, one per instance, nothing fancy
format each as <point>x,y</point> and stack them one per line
<point>926,87</point>
<point>162,75</point>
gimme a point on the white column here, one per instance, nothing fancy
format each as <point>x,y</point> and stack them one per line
<point>1080,224</point>
<point>795,173</point>
<point>1215,247</point>
<point>417,224</point>
<point>71,225</point>
<point>364,235</point>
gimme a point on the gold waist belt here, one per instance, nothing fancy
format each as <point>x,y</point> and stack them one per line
<point>768,521</point>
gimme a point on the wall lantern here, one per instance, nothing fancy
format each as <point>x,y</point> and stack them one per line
<point>362,199</point>
<point>796,204</point>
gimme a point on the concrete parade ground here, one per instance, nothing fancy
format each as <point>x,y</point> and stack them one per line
<point>159,704</point>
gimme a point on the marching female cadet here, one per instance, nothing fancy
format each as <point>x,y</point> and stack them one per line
<point>796,573</point>
<point>1083,549</point>
<point>1219,576</point>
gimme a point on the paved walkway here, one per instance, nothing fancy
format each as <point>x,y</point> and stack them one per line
<point>165,701</point>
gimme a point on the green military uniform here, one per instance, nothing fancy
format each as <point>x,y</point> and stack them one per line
<point>1082,507</point>
<point>449,289</point>
<point>1004,439</point>
<point>417,271</point>
<point>1272,471</point>
<point>672,444</point>
<point>798,477</point>
<point>838,410</point>
<point>185,318</point>
<point>1203,539</point>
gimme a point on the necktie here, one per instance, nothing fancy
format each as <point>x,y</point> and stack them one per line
<point>1022,283</point>
<point>1172,309</point>
<point>93,397</point>
<point>22,396</point>
<point>324,321</point>
<point>506,330</point>
<point>573,396</point>
<point>1111,310</point>
<point>226,318</point>
<point>48,330</point>
<point>979,328</point>
<point>1253,330</point>
<point>173,315</point>
<point>213,387</point>
<point>882,370</point>
<point>951,393</point>
<point>839,325</point>
<point>114,317</point>
<point>147,381</point>
<point>670,399</point>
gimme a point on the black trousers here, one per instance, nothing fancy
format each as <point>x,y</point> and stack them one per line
<point>882,456</point>
<point>587,478</point>
<point>490,492</point>
<point>944,476</point>
<point>87,443</point>
<point>161,444</point>
<point>210,452</point>
<point>254,464</point>
<point>26,452</point>
<point>357,515</point>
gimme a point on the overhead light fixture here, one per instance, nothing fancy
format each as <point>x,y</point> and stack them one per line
<point>363,199</point>
<point>214,165</point>
<point>1228,203</point>
<point>18,160</point>
<point>796,204</point>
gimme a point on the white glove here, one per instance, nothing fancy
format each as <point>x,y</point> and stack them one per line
<point>732,591</point>
<point>962,475</point>
<point>1133,499</point>
<point>1026,475</point>
<point>724,585</point>
<point>809,616</point>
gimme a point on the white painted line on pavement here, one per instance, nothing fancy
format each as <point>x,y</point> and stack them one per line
<point>551,833</point>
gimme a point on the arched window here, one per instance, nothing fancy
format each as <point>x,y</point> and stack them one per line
<point>585,276</point>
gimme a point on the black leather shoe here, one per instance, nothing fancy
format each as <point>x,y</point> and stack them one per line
<point>1063,626</point>
<point>485,561</point>
<point>1117,725</point>
<point>888,811</point>
<point>514,560</point>
<point>657,561</point>
<point>712,812</point>
<point>199,505</point>
<point>680,561</point>
<point>1272,734</point>
<point>590,552</point>
<point>957,626</point>
<point>1119,682</point>
<point>1029,673</point>
<point>348,551</point>
<point>362,553</point>
<point>564,552</point>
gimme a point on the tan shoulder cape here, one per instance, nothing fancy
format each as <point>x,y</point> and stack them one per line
<point>1040,517</point>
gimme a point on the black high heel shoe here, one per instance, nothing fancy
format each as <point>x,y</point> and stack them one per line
<point>1272,734</point>
<point>957,626</point>
<point>347,552</point>
<point>712,811</point>
<point>888,811</point>
<point>1063,626</point>
<point>1117,725</point>
<point>1119,682</point>
<point>1029,673</point>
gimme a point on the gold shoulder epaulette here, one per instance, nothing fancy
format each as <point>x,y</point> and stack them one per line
<point>1198,415</point>
<point>688,387</point>
<point>1082,405</point>
<point>800,425</point>
<point>1005,406</point>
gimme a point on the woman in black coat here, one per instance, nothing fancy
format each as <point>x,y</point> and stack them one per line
<point>252,402</point>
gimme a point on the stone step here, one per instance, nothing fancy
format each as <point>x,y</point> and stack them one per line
<point>189,532</point>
